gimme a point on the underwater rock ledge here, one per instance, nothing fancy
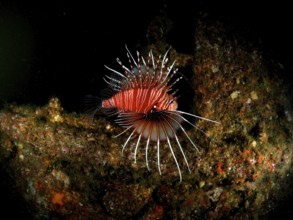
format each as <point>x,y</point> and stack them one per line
<point>65,167</point>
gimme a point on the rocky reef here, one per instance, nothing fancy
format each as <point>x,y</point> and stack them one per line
<point>64,166</point>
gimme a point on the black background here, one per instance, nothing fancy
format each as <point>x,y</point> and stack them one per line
<point>73,40</point>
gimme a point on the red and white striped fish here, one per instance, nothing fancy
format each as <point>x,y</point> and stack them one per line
<point>142,98</point>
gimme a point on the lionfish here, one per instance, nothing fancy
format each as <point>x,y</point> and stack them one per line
<point>144,102</point>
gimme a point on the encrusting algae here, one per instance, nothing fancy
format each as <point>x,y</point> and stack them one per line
<point>66,167</point>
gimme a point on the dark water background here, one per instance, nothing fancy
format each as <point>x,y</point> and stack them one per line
<point>59,48</point>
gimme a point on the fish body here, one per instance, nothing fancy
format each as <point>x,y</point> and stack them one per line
<point>144,102</point>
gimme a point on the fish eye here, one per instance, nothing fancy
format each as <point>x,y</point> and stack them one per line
<point>171,101</point>
<point>154,109</point>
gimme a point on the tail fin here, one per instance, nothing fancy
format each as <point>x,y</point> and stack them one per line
<point>92,105</point>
